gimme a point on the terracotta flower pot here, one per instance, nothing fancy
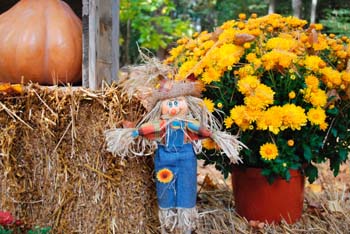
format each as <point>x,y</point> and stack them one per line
<point>256,199</point>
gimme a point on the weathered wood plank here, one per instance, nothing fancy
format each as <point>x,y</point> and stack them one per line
<point>101,47</point>
<point>85,65</point>
<point>93,46</point>
<point>106,60</point>
<point>115,39</point>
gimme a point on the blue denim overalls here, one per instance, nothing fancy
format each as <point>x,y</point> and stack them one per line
<point>179,157</point>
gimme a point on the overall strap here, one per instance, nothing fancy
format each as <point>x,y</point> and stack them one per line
<point>175,134</point>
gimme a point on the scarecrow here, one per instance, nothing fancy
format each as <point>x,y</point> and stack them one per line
<point>177,119</point>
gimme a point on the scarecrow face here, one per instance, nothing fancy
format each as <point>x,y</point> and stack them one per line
<point>175,107</point>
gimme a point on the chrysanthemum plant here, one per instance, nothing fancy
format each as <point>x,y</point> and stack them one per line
<point>279,82</point>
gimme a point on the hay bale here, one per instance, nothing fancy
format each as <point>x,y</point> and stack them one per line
<point>55,171</point>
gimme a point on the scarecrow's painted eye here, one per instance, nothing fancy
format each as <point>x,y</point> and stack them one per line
<point>170,104</point>
<point>176,103</point>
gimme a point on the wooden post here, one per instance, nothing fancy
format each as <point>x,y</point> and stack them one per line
<point>100,42</point>
<point>85,60</point>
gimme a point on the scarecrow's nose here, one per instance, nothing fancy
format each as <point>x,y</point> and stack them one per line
<point>173,112</point>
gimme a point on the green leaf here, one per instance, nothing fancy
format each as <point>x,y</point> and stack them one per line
<point>39,230</point>
<point>271,178</point>
<point>311,172</point>
<point>295,166</point>
<point>266,172</point>
<point>5,231</point>
<point>343,154</point>
<point>46,230</point>
<point>335,168</point>
<point>333,111</point>
<point>287,175</point>
<point>307,152</point>
<point>334,132</point>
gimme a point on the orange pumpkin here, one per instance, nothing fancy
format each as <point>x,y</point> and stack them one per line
<point>40,41</point>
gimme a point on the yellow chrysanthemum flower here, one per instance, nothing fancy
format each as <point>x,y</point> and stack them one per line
<point>313,62</point>
<point>228,35</point>
<point>295,22</point>
<point>257,63</point>
<point>246,70</point>
<point>191,44</point>
<point>331,77</point>
<point>321,44</point>
<point>241,25</point>
<point>278,58</point>
<point>317,116</point>
<point>176,51</point>
<point>318,98</point>
<point>195,34</point>
<point>185,68</point>
<point>318,27</point>
<point>279,43</point>
<point>251,57</point>
<point>209,144</point>
<point>259,98</point>
<point>265,94</point>
<point>228,24</point>
<point>210,75</point>
<point>182,41</point>
<point>271,120</point>
<point>268,151</point>
<point>198,52</point>
<point>207,45</point>
<point>294,117</point>
<point>203,36</point>
<point>253,15</point>
<point>240,117</point>
<point>228,121</point>
<point>312,82</point>
<point>248,84</point>
<point>324,126</point>
<point>165,175</point>
<point>227,55</point>
<point>345,76</point>
<point>209,104</point>
<point>242,16</point>
<point>291,95</point>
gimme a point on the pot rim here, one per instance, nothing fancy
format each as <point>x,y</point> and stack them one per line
<point>254,172</point>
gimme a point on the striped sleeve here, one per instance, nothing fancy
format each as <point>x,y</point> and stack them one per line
<point>194,127</point>
<point>152,130</point>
